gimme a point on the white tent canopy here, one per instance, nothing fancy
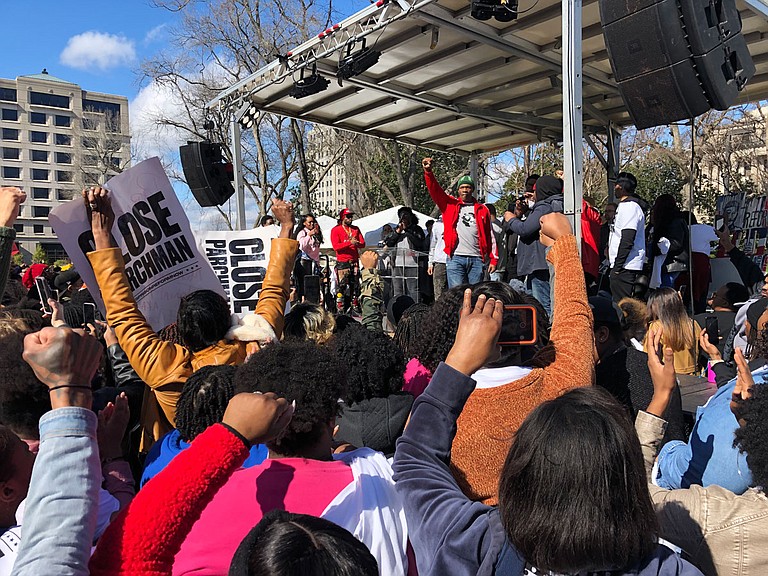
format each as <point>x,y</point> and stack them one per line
<point>371,225</point>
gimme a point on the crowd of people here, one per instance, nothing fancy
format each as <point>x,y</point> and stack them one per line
<point>317,443</point>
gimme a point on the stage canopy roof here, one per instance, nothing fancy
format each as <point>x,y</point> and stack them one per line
<point>449,82</point>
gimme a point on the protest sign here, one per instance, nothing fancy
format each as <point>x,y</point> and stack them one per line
<point>162,262</point>
<point>747,219</point>
<point>239,260</point>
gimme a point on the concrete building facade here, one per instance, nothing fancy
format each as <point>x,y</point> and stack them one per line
<point>56,138</point>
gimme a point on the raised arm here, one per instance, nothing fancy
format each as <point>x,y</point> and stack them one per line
<point>155,361</point>
<point>10,200</point>
<point>436,192</point>
<point>277,282</point>
<point>442,521</point>
<point>571,338</point>
<point>146,536</point>
<point>62,502</point>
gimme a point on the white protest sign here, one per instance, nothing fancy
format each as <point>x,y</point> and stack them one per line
<point>239,260</point>
<point>162,262</point>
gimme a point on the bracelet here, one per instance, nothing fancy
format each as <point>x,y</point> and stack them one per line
<point>68,386</point>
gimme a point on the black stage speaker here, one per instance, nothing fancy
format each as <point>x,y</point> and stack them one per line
<point>209,178</point>
<point>675,59</point>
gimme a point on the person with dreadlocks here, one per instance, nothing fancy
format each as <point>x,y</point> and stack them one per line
<point>202,403</point>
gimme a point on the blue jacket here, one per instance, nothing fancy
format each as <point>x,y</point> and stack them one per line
<point>709,457</point>
<point>451,534</point>
<point>166,449</point>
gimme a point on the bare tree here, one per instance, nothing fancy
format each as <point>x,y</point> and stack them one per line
<point>217,44</point>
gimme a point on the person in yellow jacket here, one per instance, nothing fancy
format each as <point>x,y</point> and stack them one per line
<point>203,319</point>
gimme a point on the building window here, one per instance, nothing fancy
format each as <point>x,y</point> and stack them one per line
<point>11,154</point>
<point>90,123</point>
<point>38,229</point>
<point>10,115</point>
<point>40,211</point>
<point>115,161</point>
<point>62,121</point>
<point>38,155</point>
<point>11,172</point>
<point>89,143</point>
<point>63,158</point>
<point>8,94</point>
<point>63,140</point>
<point>38,137</point>
<point>53,100</point>
<point>41,193</point>
<point>92,178</point>
<point>38,118</point>
<point>10,134</point>
<point>64,194</point>
<point>62,176</point>
<point>39,174</point>
<point>19,228</point>
<point>109,109</point>
<point>90,160</point>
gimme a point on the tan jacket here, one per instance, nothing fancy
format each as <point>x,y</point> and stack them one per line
<point>722,533</point>
<point>165,366</point>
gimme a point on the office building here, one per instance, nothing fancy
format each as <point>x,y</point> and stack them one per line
<point>56,138</point>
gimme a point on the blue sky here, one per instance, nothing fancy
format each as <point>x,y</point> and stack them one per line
<point>95,44</point>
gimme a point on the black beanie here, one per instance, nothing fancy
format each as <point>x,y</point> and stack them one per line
<point>547,186</point>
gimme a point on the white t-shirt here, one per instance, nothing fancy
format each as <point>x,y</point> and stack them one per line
<point>629,216</point>
<point>702,237</point>
<point>466,230</point>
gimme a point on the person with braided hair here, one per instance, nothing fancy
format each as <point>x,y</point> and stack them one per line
<point>202,403</point>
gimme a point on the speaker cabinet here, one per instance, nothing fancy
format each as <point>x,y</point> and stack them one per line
<point>675,59</point>
<point>207,175</point>
<point>312,289</point>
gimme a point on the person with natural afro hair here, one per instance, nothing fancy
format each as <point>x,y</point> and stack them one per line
<point>354,490</point>
<point>202,403</point>
<point>375,409</point>
<point>307,374</point>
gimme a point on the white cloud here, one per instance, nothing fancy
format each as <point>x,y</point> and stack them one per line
<point>98,50</point>
<point>154,34</point>
<point>149,112</point>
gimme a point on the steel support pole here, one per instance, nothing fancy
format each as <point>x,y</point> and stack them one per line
<point>237,165</point>
<point>473,172</point>
<point>572,114</point>
<point>614,160</point>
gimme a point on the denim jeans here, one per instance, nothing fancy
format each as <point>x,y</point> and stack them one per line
<point>61,506</point>
<point>538,283</point>
<point>464,270</point>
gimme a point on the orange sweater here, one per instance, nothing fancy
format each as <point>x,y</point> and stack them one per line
<point>492,415</point>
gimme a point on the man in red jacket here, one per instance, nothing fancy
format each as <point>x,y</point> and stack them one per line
<point>347,240</point>
<point>467,233</point>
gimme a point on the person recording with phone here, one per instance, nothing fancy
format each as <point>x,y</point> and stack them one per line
<point>524,375</point>
<point>409,240</point>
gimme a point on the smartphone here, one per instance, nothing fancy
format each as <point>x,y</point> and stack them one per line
<point>44,290</point>
<point>89,313</point>
<point>719,223</point>
<point>713,330</point>
<point>518,328</point>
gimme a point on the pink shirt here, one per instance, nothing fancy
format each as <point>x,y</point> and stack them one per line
<point>294,484</point>
<point>416,377</point>
<point>308,245</point>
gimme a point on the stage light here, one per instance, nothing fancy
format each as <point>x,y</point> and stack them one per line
<point>357,63</point>
<point>502,10</point>
<point>312,84</point>
<point>249,118</point>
